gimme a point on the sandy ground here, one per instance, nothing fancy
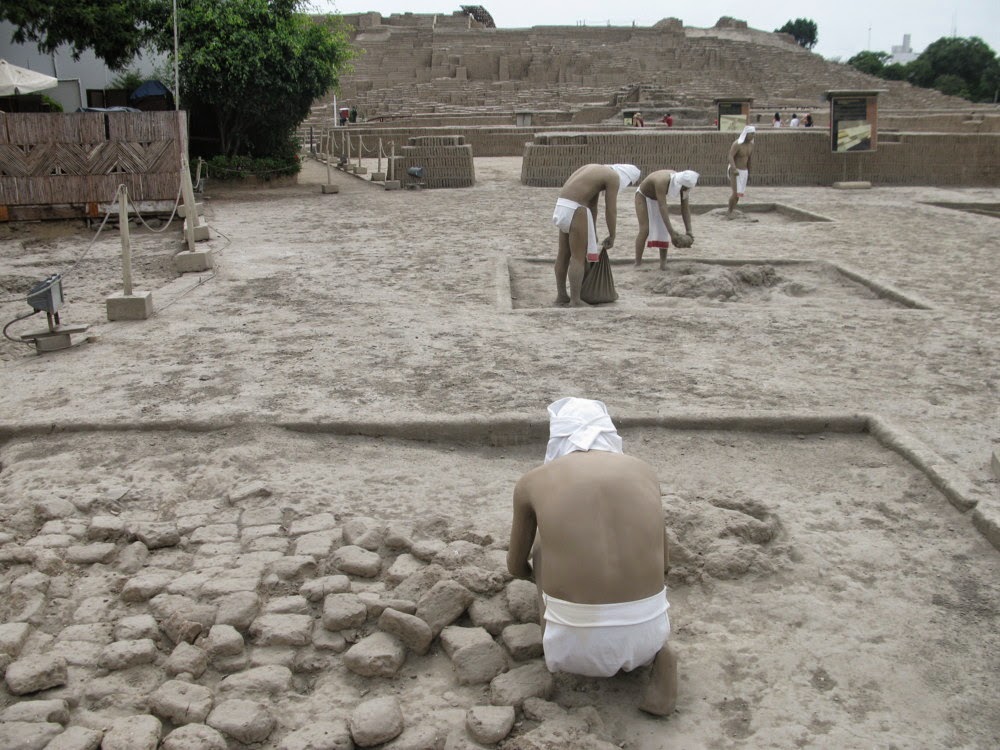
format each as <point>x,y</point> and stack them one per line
<point>867,619</point>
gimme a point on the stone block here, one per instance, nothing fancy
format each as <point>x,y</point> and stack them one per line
<point>418,584</point>
<point>288,605</point>
<point>343,611</point>
<point>28,735</point>
<point>155,534</point>
<point>223,640</point>
<point>145,586</point>
<point>402,568</point>
<point>393,184</point>
<point>238,610</point>
<point>855,185</point>
<point>136,627</point>
<point>329,641</point>
<point>318,588</point>
<point>523,641</point>
<point>427,549</point>
<point>319,735</point>
<point>376,721</point>
<point>80,738</point>
<point>125,654</point>
<point>422,737</point>
<point>294,566</point>
<point>12,637</point>
<point>479,579</point>
<point>187,658</point>
<point>479,663</point>
<point>378,655</point>
<point>313,523</point>
<point>377,605</point>
<point>53,711</point>
<point>194,737</point>
<point>491,614</point>
<point>530,681</point>
<point>272,679</point>
<point>356,561</point>
<point>282,630</point>
<point>415,634</point>
<point>105,528</point>
<point>522,600</point>
<point>181,702</point>
<point>193,261</point>
<point>489,724</point>
<point>330,189</point>
<point>443,604</point>
<point>244,720</point>
<point>36,672</point>
<point>455,637</point>
<point>133,733</point>
<point>135,306</point>
<point>199,210</point>
<point>378,176</point>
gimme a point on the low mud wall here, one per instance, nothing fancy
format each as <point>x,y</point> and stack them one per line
<point>781,158</point>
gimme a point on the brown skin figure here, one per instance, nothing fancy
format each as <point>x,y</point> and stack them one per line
<point>584,186</point>
<point>655,186</point>
<point>740,155</point>
<point>598,521</point>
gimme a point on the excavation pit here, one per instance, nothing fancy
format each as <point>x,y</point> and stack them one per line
<point>690,282</point>
<point>795,553</point>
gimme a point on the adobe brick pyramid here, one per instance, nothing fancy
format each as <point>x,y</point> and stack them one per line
<point>455,64</point>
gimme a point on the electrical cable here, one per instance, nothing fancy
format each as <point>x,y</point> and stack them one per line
<point>15,320</point>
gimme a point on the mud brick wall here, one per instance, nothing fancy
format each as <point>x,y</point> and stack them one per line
<point>446,159</point>
<point>497,141</point>
<point>780,158</point>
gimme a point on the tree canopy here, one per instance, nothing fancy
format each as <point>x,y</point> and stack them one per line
<point>803,29</point>
<point>116,31</point>
<point>958,66</point>
<point>255,65</point>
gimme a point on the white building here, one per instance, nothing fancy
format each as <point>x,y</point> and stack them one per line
<point>902,53</point>
<point>75,76</point>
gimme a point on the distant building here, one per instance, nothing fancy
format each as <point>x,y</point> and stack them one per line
<point>75,76</point>
<point>902,53</point>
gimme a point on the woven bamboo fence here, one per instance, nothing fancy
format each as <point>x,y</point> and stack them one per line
<point>56,165</point>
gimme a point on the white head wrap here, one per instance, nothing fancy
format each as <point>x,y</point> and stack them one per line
<point>743,135</point>
<point>627,175</point>
<point>579,424</point>
<point>688,178</point>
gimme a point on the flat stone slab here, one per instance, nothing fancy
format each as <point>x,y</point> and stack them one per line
<point>513,687</point>
<point>244,720</point>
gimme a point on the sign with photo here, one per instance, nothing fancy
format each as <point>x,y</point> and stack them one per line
<point>851,128</point>
<point>732,117</point>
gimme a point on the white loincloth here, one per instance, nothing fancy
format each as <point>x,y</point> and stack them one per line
<point>658,234</point>
<point>598,640</point>
<point>563,217</point>
<point>742,177</point>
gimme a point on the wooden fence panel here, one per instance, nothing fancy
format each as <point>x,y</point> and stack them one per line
<point>76,159</point>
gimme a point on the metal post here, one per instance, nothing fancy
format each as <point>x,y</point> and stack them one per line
<point>347,138</point>
<point>392,161</point>
<point>379,169</point>
<point>126,247</point>
<point>360,150</point>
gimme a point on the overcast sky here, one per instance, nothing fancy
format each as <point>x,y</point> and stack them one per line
<point>843,24</point>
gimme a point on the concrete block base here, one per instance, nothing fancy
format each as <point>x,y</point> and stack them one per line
<point>378,176</point>
<point>392,185</point>
<point>361,170</point>
<point>195,261</point>
<point>857,185</point>
<point>200,231</point>
<point>330,189</point>
<point>135,306</point>
<point>199,210</point>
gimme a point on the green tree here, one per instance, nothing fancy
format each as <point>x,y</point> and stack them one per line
<point>116,31</point>
<point>803,29</point>
<point>258,65</point>
<point>894,72</point>
<point>869,62</point>
<point>951,84</point>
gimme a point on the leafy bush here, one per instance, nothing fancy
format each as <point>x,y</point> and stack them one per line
<point>266,168</point>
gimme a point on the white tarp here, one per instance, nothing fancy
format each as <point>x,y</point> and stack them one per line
<point>15,80</point>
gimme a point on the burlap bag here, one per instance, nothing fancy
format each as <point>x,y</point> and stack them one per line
<point>598,283</point>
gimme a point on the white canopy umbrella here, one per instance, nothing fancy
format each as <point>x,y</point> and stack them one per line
<point>15,80</point>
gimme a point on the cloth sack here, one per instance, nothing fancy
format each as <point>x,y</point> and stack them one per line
<point>598,282</point>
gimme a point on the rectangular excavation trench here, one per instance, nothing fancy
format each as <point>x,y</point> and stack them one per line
<point>526,284</point>
<point>822,588</point>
